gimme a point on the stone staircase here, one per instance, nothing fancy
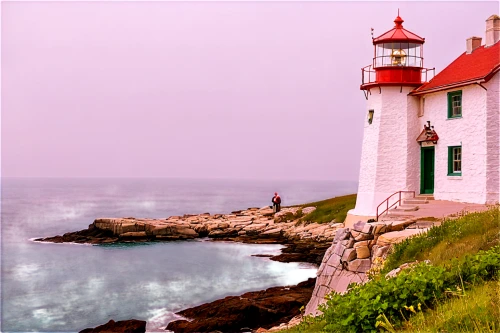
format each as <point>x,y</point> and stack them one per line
<point>412,204</point>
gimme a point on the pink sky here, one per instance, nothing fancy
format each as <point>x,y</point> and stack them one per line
<point>201,89</point>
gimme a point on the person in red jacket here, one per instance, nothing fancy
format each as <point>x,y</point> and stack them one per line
<point>276,202</point>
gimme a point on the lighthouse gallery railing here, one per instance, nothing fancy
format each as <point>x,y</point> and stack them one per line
<point>369,75</point>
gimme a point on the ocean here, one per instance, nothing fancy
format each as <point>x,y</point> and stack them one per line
<point>67,287</point>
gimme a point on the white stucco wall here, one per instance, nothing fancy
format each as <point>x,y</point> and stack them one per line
<point>493,140</point>
<point>368,165</point>
<point>388,158</point>
<point>414,128</point>
<point>470,132</point>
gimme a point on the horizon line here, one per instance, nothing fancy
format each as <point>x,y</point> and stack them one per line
<point>167,177</point>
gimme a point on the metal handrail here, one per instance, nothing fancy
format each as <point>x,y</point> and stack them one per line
<point>387,202</point>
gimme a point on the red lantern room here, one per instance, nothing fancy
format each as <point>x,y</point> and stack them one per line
<point>398,59</point>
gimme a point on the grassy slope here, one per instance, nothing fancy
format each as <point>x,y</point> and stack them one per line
<point>330,209</point>
<point>474,312</point>
<point>453,239</point>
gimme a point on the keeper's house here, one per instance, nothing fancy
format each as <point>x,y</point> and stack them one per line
<point>439,137</point>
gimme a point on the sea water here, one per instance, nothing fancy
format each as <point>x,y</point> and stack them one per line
<point>49,287</point>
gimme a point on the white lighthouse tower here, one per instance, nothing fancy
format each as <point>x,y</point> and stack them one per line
<point>390,152</point>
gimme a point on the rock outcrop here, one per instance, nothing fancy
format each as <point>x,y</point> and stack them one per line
<point>351,254</point>
<point>124,326</point>
<point>250,223</point>
<point>252,310</point>
<point>304,242</point>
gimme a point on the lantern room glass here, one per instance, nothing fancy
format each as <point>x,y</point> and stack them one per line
<point>398,54</point>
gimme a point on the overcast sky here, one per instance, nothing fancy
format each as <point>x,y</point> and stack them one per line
<point>248,90</point>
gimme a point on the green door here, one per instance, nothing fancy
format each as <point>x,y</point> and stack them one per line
<point>427,166</point>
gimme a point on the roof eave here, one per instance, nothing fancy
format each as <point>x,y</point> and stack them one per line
<point>478,80</point>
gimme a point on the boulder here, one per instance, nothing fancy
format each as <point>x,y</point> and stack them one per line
<point>379,229</point>
<point>362,252</point>
<point>362,236</point>
<point>342,233</point>
<point>355,233</point>
<point>339,249</point>
<point>360,243</point>
<point>349,255</point>
<point>367,228</point>
<point>334,260</point>
<point>276,232</point>
<point>395,237</point>
<point>359,265</point>
<point>254,228</point>
<point>348,243</point>
<point>358,226</point>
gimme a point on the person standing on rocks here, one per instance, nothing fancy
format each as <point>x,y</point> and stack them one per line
<point>276,202</point>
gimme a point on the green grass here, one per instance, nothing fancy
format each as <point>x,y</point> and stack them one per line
<point>476,311</point>
<point>453,239</point>
<point>313,326</point>
<point>330,209</point>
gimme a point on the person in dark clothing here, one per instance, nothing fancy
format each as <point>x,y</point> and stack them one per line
<point>276,202</point>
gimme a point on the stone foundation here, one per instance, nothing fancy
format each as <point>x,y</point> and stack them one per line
<point>351,255</point>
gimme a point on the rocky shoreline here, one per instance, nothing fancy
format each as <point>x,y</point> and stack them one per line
<point>248,312</point>
<point>304,242</point>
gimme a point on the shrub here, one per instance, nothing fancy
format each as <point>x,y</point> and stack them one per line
<point>422,286</point>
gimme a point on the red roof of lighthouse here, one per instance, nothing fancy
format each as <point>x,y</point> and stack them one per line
<point>398,34</point>
<point>479,65</point>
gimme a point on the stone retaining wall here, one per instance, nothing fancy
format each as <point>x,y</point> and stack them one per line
<point>351,254</point>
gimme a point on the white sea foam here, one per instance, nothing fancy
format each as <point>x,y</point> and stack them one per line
<point>159,317</point>
<point>25,271</point>
<point>46,316</point>
<point>95,283</point>
<point>292,272</point>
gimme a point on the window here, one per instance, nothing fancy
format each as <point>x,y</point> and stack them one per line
<point>455,104</point>
<point>455,161</point>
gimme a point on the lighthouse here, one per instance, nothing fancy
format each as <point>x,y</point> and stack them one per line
<point>390,153</point>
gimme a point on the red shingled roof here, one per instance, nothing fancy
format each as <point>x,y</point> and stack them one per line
<point>481,64</point>
<point>398,34</point>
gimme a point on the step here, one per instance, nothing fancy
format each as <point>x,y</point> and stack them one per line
<point>423,224</point>
<point>406,208</point>
<point>416,201</point>
<point>424,197</point>
<point>398,214</point>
